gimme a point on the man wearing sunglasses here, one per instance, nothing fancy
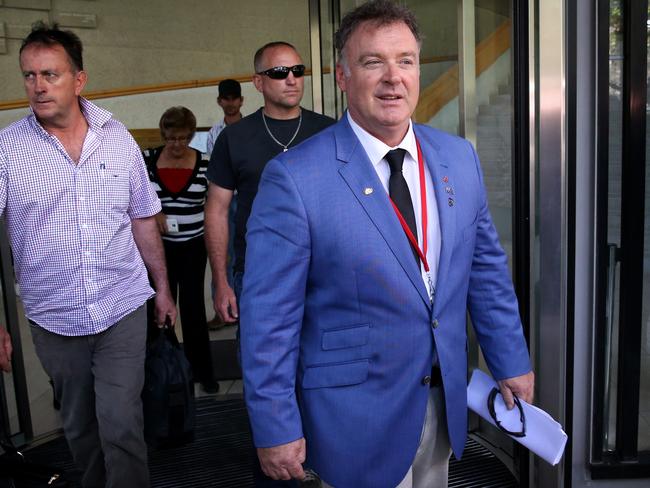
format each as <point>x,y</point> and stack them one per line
<point>240,155</point>
<point>367,245</point>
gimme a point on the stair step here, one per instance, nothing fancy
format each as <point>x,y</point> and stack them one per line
<point>501,99</point>
<point>495,110</point>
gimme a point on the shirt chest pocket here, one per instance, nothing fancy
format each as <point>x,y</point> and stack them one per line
<point>114,189</point>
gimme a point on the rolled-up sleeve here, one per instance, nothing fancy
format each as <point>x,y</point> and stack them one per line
<point>143,201</point>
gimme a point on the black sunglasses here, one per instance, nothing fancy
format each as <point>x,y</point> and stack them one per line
<point>522,416</point>
<point>281,72</point>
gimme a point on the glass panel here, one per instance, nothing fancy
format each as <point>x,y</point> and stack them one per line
<point>438,103</point>
<point>8,383</point>
<point>331,97</point>
<point>644,400</point>
<point>44,417</point>
<point>494,103</point>
<point>495,111</point>
<point>439,107</point>
<point>613,215</point>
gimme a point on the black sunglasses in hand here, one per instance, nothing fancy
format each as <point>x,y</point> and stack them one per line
<point>281,72</point>
<point>493,414</point>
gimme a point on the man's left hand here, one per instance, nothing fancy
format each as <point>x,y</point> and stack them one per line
<point>165,308</point>
<point>523,386</point>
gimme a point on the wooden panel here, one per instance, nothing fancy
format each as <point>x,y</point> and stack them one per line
<point>147,138</point>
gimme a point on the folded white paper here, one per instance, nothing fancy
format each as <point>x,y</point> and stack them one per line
<point>544,436</point>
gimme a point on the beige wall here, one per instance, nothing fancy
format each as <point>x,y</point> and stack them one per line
<point>144,42</point>
<point>144,111</point>
<point>140,42</point>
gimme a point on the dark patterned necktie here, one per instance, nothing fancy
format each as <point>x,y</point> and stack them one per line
<point>399,193</point>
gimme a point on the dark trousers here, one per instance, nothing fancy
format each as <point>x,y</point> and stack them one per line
<point>186,263</point>
<point>98,379</point>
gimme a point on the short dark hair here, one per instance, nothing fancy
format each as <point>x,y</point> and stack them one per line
<point>47,35</point>
<point>257,59</point>
<point>378,12</point>
<point>177,118</point>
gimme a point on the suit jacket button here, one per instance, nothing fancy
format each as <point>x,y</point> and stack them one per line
<point>434,324</point>
<point>426,380</point>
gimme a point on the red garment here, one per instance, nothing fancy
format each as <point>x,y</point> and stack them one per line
<point>175,179</point>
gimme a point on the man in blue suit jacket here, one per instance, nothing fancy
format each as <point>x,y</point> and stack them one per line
<point>341,326</point>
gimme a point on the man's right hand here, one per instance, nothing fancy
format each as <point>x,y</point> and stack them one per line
<point>161,222</point>
<point>225,303</point>
<point>5,350</point>
<point>283,462</point>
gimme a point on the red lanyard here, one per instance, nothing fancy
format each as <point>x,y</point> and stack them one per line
<point>422,253</point>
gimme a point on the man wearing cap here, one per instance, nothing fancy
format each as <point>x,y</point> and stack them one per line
<point>230,101</point>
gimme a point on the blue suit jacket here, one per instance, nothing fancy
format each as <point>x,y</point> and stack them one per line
<point>336,325</point>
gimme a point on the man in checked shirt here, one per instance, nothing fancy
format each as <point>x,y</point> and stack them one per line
<point>80,212</point>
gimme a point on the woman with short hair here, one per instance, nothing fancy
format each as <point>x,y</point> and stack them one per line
<point>177,172</point>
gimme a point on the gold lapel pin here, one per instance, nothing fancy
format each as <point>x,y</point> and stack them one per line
<point>367,191</point>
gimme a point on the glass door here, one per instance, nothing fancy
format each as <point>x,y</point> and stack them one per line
<point>621,421</point>
<point>473,83</point>
<point>26,397</point>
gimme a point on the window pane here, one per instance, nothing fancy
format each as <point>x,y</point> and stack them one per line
<point>614,211</point>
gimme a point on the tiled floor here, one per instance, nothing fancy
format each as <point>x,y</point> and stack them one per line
<point>229,388</point>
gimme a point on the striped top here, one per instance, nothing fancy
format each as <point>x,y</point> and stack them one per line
<point>186,206</point>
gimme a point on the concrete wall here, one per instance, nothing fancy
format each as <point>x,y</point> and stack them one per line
<point>144,111</point>
<point>131,43</point>
<point>141,42</point>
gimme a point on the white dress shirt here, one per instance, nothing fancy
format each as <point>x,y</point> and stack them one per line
<point>376,150</point>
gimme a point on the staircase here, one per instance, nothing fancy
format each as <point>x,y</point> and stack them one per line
<point>494,148</point>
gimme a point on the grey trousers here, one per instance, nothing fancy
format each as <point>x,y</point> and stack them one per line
<point>98,380</point>
<point>430,467</point>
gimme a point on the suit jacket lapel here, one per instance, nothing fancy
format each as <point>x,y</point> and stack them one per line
<point>364,183</point>
<point>439,168</point>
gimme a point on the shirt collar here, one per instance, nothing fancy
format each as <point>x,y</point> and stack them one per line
<point>376,149</point>
<point>96,116</point>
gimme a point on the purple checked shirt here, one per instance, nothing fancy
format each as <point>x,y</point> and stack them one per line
<point>69,224</point>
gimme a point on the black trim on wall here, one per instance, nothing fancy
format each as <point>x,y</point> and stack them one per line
<point>521,162</point>
<point>521,187</point>
<point>601,255</point>
<point>624,461</point>
<point>632,212</point>
<point>571,83</point>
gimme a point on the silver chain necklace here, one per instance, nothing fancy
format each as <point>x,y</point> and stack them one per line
<point>285,147</point>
